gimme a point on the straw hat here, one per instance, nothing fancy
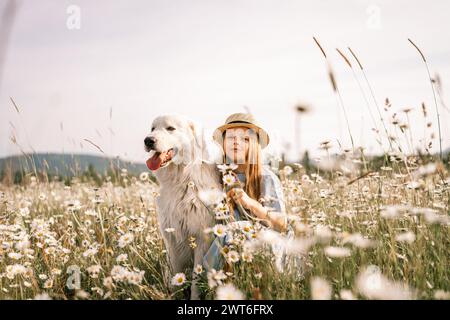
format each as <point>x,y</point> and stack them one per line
<point>242,120</point>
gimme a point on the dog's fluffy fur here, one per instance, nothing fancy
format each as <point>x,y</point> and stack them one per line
<point>178,204</point>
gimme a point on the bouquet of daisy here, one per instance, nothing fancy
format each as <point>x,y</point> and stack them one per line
<point>230,181</point>
<point>216,200</point>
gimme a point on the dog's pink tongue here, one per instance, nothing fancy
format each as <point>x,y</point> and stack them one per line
<point>155,162</point>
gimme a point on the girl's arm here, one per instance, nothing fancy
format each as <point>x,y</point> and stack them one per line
<point>275,220</point>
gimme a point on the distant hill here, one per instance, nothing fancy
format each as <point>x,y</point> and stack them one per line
<point>67,164</point>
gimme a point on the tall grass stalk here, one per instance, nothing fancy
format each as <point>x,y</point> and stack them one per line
<point>340,102</point>
<point>434,96</point>
<point>373,96</point>
<point>364,96</point>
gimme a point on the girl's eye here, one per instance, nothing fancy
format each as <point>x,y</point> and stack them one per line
<point>170,129</point>
<point>247,139</point>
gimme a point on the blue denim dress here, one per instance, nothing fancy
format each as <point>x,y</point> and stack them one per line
<point>271,192</point>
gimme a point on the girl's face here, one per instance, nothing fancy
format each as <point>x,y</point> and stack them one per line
<point>236,144</point>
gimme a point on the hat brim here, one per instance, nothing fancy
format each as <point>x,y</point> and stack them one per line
<point>263,136</point>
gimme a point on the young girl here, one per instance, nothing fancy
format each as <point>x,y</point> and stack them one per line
<point>261,196</point>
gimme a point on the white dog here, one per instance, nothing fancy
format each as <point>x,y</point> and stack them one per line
<point>180,161</point>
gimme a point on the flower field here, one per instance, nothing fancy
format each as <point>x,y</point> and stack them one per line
<point>380,235</point>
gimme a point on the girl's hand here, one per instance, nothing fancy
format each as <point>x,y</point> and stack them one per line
<point>274,220</point>
<point>239,196</point>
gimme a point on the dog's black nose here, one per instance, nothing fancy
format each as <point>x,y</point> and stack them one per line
<point>149,142</point>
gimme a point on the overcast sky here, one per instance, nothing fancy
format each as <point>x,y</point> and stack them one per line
<point>209,58</point>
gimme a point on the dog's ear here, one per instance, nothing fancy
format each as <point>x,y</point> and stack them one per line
<point>196,134</point>
<point>199,145</point>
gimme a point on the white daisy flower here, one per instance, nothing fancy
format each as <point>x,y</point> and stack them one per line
<point>15,255</point>
<point>441,295</point>
<point>374,285</point>
<point>337,252</point>
<point>228,179</point>
<point>198,269</point>
<point>143,176</point>
<point>346,295</point>
<point>42,296</point>
<point>227,167</point>
<point>232,256</point>
<point>229,292</point>
<point>320,289</point>
<point>122,258</point>
<point>94,271</point>
<point>108,282</point>
<point>215,278</point>
<point>179,279</point>
<point>126,239</point>
<point>219,230</point>
<point>288,170</point>
<point>48,283</point>
<point>247,257</point>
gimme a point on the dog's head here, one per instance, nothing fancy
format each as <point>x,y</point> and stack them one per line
<point>174,139</point>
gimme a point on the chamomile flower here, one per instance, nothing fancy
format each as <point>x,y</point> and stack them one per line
<point>219,230</point>
<point>42,296</point>
<point>198,269</point>
<point>94,271</point>
<point>122,258</point>
<point>227,167</point>
<point>441,295</point>
<point>372,284</point>
<point>15,255</point>
<point>143,176</point>
<point>215,278</point>
<point>125,239</point>
<point>179,279</point>
<point>320,289</point>
<point>108,282</point>
<point>229,292</point>
<point>228,179</point>
<point>287,170</point>
<point>232,256</point>
<point>337,252</point>
<point>346,295</point>
<point>247,256</point>
<point>48,284</point>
